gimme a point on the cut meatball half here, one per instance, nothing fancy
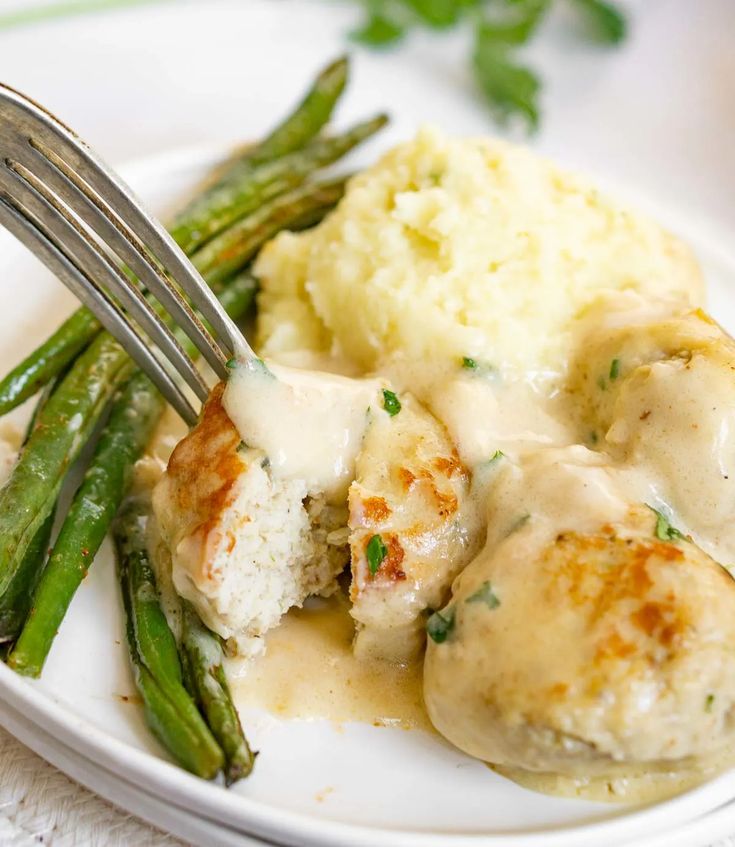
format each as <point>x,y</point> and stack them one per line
<point>412,529</point>
<point>245,547</point>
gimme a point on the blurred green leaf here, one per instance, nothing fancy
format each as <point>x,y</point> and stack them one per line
<point>379,31</point>
<point>513,22</point>
<point>509,88</point>
<point>606,23</point>
<point>438,14</point>
<point>501,28</point>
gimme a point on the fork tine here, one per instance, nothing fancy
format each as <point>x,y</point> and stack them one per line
<point>86,253</point>
<point>118,196</point>
<point>16,220</point>
<point>49,132</point>
<point>115,234</point>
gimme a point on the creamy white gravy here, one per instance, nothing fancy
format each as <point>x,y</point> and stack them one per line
<point>637,785</point>
<point>309,670</point>
<point>311,424</point>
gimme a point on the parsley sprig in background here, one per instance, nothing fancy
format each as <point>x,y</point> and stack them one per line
<point>500,28</point>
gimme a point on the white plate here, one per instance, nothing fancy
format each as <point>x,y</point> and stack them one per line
<point>161,813</point>
<point>315,783</point>
<point>150,80</point>
<point>204,832</point>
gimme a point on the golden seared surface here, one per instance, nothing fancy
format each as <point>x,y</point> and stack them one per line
<point>598,650</point>
<point>200,480</point>
<point>412,493</point>
<point>245,546</point>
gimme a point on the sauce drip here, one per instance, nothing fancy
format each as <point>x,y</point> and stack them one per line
<point>309,424</point>
<point>309,671</point>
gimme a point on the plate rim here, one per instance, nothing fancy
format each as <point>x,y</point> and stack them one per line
<point>167,780</point>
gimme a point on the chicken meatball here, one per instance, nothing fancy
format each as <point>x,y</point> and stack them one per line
<point>412,530</point>
<point>659,387</point>
<point>584,646</point>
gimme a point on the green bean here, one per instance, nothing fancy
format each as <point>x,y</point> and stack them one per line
<point>48,360</point>
<point>260,183</point>
<point>135,412</point>
<point>16,601</point>
<point>232,249</point>
<point>192,226</point>
<point>62,347</point>
<point>307,119</point>
<point>206,680</point>
<point>63,428</point>
<point>170,711</point>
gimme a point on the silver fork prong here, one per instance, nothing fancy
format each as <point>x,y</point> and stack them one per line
<point>75,193</point>
<point>58,224</point>
<point>117,195</point>
<point>28,231</point>
<point>49,132</point>
<point>31,121</point>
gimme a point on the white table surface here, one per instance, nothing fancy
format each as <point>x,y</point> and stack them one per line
<point>40,805</point>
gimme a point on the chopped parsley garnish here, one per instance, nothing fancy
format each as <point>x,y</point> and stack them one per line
<point>614,369</point>
<point>440,625</point>
<point>664,530</point>
<point>242,447</point>
<point>522,521</point>
<point>480,368</point>
<point>391,403</point>
<point>257,365</point>
<point>496,457</point>
<point>709,702</point>
<point>593,437</point>
<point>486,595</point>
<point>376,552</point>
<point>231,363</point>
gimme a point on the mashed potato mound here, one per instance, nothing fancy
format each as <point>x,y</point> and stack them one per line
<point>461,247</point>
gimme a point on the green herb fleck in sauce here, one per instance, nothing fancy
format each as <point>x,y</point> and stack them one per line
<point>440,625</point>
<point>664,530</point>
<point>376,552</point>
<point>519,523</point>
<point>485,594</point>
<point>391,403</point>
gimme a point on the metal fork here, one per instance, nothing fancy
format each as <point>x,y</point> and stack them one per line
<point>81,220</point>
